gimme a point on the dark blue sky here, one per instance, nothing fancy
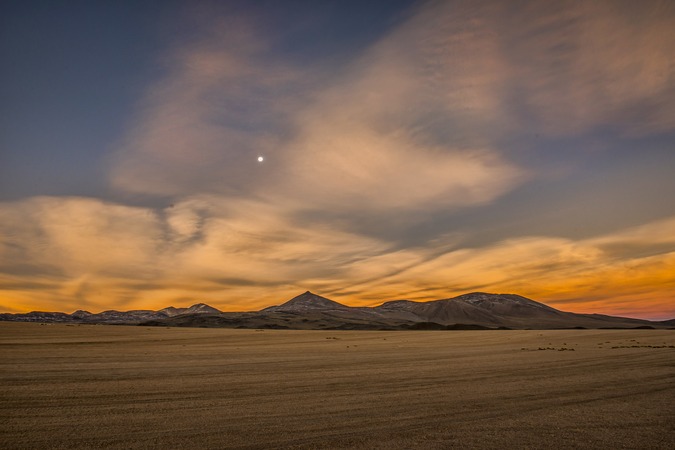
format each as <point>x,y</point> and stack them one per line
<point>73,72</point>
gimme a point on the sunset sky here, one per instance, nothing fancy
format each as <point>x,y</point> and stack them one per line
<point>416,150</point>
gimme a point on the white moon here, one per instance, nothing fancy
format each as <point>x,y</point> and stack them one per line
<point>261,159</point>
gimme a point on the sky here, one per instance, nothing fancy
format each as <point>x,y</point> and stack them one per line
<point>411,150</point>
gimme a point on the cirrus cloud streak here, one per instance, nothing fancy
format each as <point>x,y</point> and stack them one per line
<point>454,110</point>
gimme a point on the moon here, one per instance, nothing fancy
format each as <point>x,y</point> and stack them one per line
<point>260,159</point>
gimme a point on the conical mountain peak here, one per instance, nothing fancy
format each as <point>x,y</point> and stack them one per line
<point>307,301</point>
<point>202,308</point>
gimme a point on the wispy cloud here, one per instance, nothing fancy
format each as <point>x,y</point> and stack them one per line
<point>421,123</point>
<point>344,140</point>
<point>88,253</point>
<point>245,256</point>
<point>200,128</point>
<point>627,272</point>
<point>419,116</point>
<point>590,64</point>
<point>68,247</point>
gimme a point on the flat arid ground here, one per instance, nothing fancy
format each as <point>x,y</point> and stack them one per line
<point>97,386</point>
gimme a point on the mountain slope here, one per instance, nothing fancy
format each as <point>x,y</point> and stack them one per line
<point>480,309</point>
<point>307,301</point>
<point>476,310</point>
<point>110,316</point>
<point>199,308</point>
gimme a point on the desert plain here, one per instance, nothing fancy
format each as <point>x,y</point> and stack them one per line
<point>102,386</point>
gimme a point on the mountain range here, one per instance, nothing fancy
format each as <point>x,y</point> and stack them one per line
<point>476,310</point>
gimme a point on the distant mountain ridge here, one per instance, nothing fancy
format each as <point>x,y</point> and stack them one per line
<point>110,316</point>
<point>199,308</point>
<point>477,310</point>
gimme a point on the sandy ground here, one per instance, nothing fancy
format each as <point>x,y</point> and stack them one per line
<point>89,386</point>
